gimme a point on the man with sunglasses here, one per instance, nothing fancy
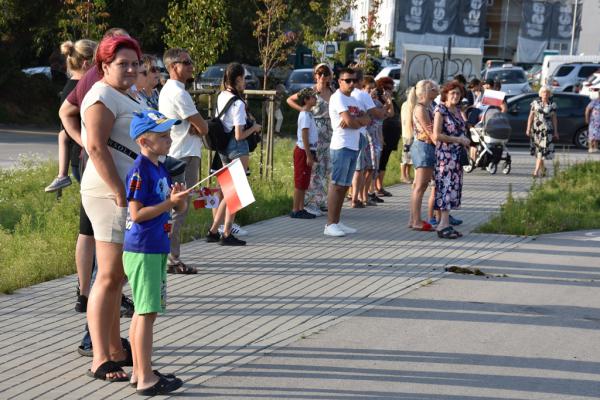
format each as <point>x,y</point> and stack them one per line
<point>176,103</point>
<point>346,121</point>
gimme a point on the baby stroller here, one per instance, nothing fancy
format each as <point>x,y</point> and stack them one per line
<point>489,134</point>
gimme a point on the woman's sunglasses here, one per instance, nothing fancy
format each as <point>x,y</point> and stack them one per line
<point>323,73</point>
<point>152,69</point>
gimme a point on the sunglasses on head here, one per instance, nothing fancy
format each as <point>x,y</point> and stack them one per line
<point>323,73</point>
<point>349,80</point>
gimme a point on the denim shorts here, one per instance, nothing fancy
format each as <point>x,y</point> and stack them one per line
<point>235,149</point>
<point>422,154</point>
<point>364,156</point>
<point>343,162</point>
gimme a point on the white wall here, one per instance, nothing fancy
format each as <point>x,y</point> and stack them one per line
<point>589,39</point>
<point>385,19</point>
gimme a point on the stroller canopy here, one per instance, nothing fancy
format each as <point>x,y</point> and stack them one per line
<point>496,124</point>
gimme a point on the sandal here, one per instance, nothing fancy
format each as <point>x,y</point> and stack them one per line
<point>425,227</point>
<point>384,193</point>
<point>157,373</point>
<point>163,386</point>
<point>181,268</point>
<point>447,233</point>
<point>458,234</point>
<point>128,361</point>
<point>358,204</point>
<point>109,367</point>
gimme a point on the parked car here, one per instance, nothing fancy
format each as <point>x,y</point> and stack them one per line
<point>299,79</point>
<point>568,77</point>
<point>513,79</point>
<point>392,71</point>
<point>213,76</point>
<point>591,85</point>
<point>570,113</point>
<point>534,73</point>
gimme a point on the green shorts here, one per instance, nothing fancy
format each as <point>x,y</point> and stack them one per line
<point>147,275</point>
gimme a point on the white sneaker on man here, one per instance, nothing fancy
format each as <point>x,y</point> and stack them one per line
<point>333,230</point>
<point>235,229</point>
<point>314,211</point>
<point>346,229</point>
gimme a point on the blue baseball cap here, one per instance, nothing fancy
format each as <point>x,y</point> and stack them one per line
<point>150,121</point>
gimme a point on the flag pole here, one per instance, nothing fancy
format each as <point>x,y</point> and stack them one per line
<point>213,174</point>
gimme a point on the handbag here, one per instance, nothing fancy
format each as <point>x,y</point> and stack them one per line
<point>463,157</point>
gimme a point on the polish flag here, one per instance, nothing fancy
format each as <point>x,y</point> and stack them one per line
<point>493,98</point>
<point>234,185</point>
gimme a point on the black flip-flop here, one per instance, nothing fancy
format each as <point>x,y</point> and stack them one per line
<point>157,373</point>
<point>447,233</point>
<point>181,268</point>
<point>163,386</point>
<point>103,370</point>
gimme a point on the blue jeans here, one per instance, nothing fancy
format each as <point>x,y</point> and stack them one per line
<point>422,154</point>
<point>343,163</point>
<point>235,149</point>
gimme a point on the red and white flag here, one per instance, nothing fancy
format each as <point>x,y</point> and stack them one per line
<point>493,98</point>
<point>205,198</point>
<point>234,185</point>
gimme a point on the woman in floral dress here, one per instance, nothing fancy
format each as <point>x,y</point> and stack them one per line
<point>542,128</point>
<point>592,117</point>
<point>449,134</point>
<point>315,199</point>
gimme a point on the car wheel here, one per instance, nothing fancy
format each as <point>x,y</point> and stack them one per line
<point>581,138</point>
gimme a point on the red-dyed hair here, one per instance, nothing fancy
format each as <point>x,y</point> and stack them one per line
<point>384,82</point>
<point>449,87</point>
<point>109,46</point>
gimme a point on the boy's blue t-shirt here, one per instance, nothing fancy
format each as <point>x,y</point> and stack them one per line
<point>150,185</point>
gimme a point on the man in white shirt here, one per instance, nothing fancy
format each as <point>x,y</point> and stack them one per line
<point>175,102</point>
<point>366,105</point>
<point>346,120</point>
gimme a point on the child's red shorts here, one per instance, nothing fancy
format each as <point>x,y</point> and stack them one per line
<point>301,170</point>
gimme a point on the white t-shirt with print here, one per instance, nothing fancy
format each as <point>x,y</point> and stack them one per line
<point>365,103</point>
<point>306,120</point>
<point>175,102</point>
<point>122,107</point>
<point>343,137</point>
<point>235,115</point>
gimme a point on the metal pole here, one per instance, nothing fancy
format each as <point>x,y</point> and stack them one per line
<point>505,28</point>
<point>270,138</point>
<point>573,28</point>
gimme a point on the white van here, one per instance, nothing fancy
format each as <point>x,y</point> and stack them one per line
<point>327,49</point>
<point>551,63</point>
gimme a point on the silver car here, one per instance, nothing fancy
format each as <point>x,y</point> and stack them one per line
<point>513,79</point>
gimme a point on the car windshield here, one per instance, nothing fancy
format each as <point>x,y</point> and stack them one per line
<point>214,72</point>
<point>301,77</point>
<point>508,76</point>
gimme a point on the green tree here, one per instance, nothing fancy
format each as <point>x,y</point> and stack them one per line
<point>371,30</point>
<point>198,26</point>
<point>328,16</point>
<point>83,19</point>
<point>274,45</point>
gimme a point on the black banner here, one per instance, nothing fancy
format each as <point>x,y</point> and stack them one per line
<point>471,18</point>
<point>536,19</point>
<point>443,17</point>
<point>562,21</point>
<point>413,15</point>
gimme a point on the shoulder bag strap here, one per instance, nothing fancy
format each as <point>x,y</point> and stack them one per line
<point>228,105</point>
<point>123,149</point>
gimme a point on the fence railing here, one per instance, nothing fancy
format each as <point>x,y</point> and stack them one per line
<point>206,100</point>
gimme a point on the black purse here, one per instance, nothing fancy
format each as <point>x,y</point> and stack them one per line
<point>463,157</point>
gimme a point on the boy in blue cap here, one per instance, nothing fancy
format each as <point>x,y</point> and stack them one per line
<point>151,197</point>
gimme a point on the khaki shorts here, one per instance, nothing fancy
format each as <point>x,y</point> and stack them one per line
<point>108,220</point>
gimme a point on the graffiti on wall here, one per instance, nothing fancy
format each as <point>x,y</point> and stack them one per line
<point>427,66</point>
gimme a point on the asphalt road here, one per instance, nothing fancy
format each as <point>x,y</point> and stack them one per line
<point>18,143</point>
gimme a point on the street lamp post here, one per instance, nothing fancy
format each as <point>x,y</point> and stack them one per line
<point>572,48</point>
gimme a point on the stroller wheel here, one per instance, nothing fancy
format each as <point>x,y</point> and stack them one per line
<point>492,168</point>
<point>506,168</point>
<point>469,167</point>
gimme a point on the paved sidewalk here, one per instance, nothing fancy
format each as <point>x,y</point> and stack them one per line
<point>288,283</point>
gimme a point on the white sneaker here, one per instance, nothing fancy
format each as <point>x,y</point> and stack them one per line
<point>333,230</point>
<point>346,229</point>
<point>235,229</point>
<point>314,211</point>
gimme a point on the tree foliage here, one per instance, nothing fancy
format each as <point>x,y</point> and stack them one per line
<point>328,14</point>
<point>274,45</point>
<point>83,19</point>
<point>199,26</point>
<point>371,30</point>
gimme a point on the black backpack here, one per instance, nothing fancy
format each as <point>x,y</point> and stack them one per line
<point>217,139</point>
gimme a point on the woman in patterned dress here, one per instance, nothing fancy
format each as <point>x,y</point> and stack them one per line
<point>592,117</point>
<point>542,128</point>
<point>449,134</point>
<point>315,199</point>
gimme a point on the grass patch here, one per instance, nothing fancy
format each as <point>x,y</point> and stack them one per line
<point>38,232</point>
<point>570,201</point>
